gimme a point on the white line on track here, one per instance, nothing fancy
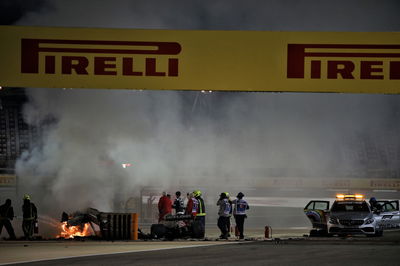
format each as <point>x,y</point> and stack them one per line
<point>123,252</point>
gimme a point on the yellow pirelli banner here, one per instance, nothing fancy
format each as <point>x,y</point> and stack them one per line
<point>200,60</point>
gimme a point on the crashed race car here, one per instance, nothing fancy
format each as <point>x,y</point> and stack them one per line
<point>177,226</point>
<point>104,225</point>
<point>114,226</point>
<point>80,220</point>
<point>352,215</point>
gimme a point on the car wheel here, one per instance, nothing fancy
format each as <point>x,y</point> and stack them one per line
<point>158,231</point>
<point>323,233</point>
<point>314,233</point>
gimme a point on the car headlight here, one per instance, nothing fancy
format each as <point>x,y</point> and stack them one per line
<point>369,221</point>
<point>333,220</point>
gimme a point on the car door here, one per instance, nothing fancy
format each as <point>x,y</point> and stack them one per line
<point>395,203</point>
<point>316,211</point>
<point>389,216</point>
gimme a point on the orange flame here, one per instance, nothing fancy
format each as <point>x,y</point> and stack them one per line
<point>72,231</point>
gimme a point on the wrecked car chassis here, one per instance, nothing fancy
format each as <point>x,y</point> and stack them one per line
<point>124,226</point>
<point>177,226</point>
<point>111,226</point>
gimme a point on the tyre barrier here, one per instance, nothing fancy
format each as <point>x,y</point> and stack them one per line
<point>119,226</point>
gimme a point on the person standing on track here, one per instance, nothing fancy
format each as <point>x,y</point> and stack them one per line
<point>164,206</point>
<point>6,216</point>
<point>192,205</point>
<point>230,214</point>
<point>375,206</point>
<point>224,213</point>
<point>201,212</point>
<point>30,216</point>
<point>179,205</point>
<point>239,212</point>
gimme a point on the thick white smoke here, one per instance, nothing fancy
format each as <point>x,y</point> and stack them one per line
<point>88,134</point>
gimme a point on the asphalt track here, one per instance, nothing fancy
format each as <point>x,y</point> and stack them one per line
<point>291,251</point>
<point>253,253</point>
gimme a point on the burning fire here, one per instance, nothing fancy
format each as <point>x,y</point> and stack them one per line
<point>72,231</point>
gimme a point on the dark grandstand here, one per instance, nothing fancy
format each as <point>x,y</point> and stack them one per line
<point>16,136</point>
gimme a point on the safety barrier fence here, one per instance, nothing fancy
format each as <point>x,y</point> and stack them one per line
<point>119,226</point>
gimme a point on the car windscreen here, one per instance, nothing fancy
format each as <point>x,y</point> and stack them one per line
<point>354,206</point>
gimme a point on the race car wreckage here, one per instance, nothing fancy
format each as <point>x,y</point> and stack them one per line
<point>117,226</point>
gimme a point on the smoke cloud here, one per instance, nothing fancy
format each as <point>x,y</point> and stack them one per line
<point>87,137</point>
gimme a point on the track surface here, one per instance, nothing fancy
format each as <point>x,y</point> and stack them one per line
<point>291,251</point>
<point>253,253</point>
<point>328,251</point>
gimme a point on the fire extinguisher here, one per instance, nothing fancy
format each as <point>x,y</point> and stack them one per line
<point>36,227</point>
<point>268,231</point>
